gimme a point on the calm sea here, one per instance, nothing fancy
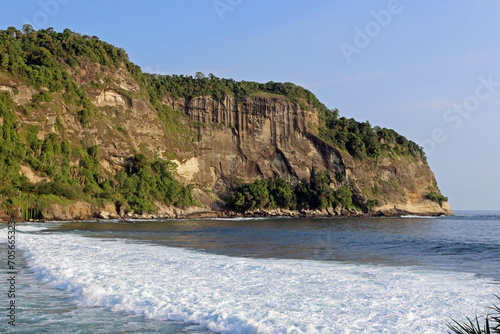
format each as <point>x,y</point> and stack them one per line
<point>286,275</point>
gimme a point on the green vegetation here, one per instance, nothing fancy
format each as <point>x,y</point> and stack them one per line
<point>362,140</point>
<point>491,323</point>
<point>188,87</point>
<point>39,55</point>
<point>31,213</point>
<point>434,196</point>
<point>43,59</point>
<point>278,193</point>
<point>372,203</point>
<point>144,182</point>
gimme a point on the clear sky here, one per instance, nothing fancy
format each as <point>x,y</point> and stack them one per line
<point>428,69</point>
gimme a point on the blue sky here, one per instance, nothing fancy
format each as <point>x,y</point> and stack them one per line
<point>427,69</point>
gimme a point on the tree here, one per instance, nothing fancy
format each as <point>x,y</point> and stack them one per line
<point>27,29</point>
<point>282,193</point>
<point>139,163</point>
<point>303,195</point>
<point>344,196</point>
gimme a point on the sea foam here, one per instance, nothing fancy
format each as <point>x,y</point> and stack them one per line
<point>246,295</point>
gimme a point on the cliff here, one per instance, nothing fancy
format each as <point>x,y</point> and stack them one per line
<point>91,132</point>
<point>267,137</point>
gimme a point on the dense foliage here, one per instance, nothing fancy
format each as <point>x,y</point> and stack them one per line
<point>278,193</point>
<point>146,182</point>
<point>188,87</point>
<point>42,59</point>
<point>38,55</point>
<point>362,140</point>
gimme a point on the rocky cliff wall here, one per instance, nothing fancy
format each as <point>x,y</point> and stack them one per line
<point>266,137</point>
<point>260,137</point>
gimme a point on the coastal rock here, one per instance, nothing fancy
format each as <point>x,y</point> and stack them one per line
<point>75,211</point>
<point>104,215</point>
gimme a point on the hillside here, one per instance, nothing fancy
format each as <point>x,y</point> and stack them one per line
<point>84,133</point>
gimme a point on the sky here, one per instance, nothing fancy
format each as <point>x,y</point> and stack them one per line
<point>428,69</point>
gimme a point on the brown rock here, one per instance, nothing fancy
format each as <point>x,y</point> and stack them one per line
<point>74,211</point>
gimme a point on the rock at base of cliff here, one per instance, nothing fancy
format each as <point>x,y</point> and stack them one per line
<point>73,211</point>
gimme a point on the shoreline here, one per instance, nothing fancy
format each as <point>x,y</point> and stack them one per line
<point>183,214</point>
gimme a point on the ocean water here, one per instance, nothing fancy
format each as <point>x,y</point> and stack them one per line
<point>285,275</point>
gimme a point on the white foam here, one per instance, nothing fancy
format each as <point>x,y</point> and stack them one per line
<point>30,228</point>
<point>245,295</point>
<point>238,218</point>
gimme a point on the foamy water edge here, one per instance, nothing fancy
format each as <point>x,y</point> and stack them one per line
<point>244,295</point>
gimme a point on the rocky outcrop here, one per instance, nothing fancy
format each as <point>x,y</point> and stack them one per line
<point>74,211</point>
<point>113,98</point>
<point>21,94</point>
<point>401,185</point>
<point>27,172</point>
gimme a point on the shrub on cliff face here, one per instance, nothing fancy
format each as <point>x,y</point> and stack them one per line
<point>435,197</point>
<point>372,203</point>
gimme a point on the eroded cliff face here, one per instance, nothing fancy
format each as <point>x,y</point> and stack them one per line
<point>263,136</point>
<point>268,136</point>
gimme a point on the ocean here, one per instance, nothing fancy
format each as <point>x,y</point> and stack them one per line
<point>251,275</point>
